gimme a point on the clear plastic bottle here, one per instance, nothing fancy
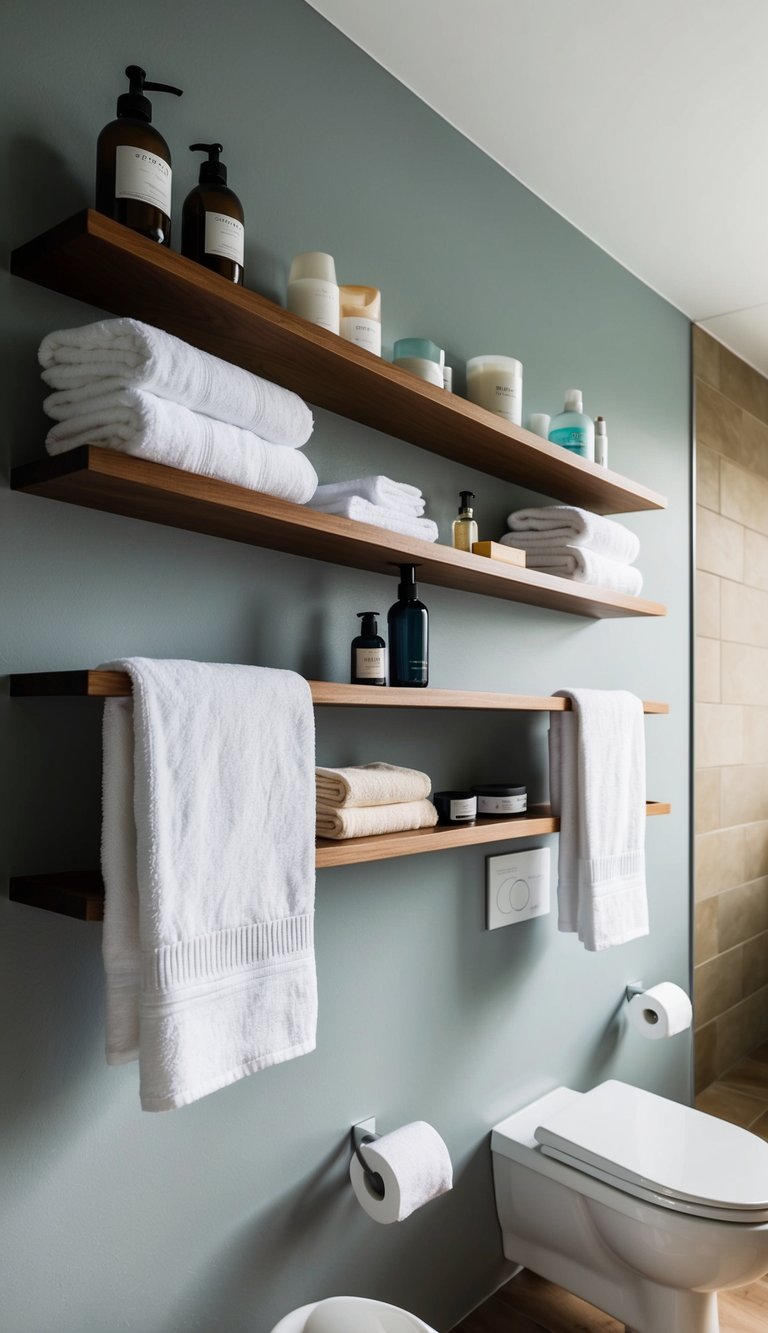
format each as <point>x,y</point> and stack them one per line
<point>572,429</point>
<point>464,532</point>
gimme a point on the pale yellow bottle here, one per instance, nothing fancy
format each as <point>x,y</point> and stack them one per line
<point>464,527</point>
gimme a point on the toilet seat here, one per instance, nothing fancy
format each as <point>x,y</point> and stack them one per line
<point>658,1150</point>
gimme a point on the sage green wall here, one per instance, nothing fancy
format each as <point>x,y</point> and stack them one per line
<point>231,1212</point>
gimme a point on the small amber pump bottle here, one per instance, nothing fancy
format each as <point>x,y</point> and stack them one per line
<point>133,163</point>
<point>464,527</point>
<point>212,220</point>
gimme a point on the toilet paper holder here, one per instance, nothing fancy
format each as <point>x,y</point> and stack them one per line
<point>360,1134</point>
<point>635,988</point>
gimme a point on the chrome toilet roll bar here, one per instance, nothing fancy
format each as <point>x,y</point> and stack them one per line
<point>361,1134</point>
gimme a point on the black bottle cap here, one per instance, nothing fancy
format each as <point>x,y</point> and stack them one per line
<point>213,171</point>
<point>134,103</point>
<point>406,588</point>
<point>465,505</point>
<point>370,624</point>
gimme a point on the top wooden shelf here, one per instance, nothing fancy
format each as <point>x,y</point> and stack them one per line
<point>99,261</point>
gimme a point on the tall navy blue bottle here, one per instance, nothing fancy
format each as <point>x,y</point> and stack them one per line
<point>408,623</point>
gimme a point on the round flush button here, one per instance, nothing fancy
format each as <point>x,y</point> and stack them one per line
<point>513,895</point>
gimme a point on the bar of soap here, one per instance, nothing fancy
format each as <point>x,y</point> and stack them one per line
<point>510,555</point>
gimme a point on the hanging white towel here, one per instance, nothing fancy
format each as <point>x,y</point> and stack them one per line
<point>362,511</point>
<point>597,787</point>
<point>141,424</point>
<point>114,354</point>
<point>209,870</point>
<point>378,490</point>
<point>583,566</point>
<point>538,528</point>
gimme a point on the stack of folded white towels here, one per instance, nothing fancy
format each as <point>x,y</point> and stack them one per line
<point>125,385</point>
<point>378,500</point>
<point>571,542</point>
<point>371,798</point>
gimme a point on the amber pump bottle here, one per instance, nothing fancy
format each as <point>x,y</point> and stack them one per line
<point>212,230</point>
<point>133,163</point>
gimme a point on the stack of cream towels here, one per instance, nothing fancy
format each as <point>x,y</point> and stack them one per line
<point>125,385</point>
<point>371,798</point>
<point>378,500</point>
<point>560,539</point>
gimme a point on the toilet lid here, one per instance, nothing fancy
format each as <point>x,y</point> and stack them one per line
<point>659,1150</point>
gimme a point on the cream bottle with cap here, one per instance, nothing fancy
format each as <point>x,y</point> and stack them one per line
<point>496,383</point>
<point>313,291</point>
<point>360,322</point>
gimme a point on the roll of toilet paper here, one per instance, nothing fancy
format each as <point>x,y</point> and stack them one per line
<point>414,1165</point>
<point>661,1011</point>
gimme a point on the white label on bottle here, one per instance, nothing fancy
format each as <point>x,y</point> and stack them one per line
<point>370,663</point>
<point>464,809</point>
<point>362,332</point>
<point>316,301</point>
<point>143,176</point>
<point>502,805</point>
<point>224,236</point>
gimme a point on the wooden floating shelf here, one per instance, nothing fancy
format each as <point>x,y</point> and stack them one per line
<point>325,693</point>
<point>81,895</point>
<point>94,259</point>
<point>107,480</point>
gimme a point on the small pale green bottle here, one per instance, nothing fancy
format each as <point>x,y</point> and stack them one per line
<point>572,429</point>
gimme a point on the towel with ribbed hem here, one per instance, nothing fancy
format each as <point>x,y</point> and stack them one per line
<point>566,525</point>
<point>139,423</point>
<point>597,787</point>
<point>113,354</point>
<point>364,821</point>
<point>370,784</point>
<point>362,511</point>
<point>583,566</point>
<point>378,490</point>
<point>209,871</point>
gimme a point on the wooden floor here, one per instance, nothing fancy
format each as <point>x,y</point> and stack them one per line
<point>528,1304</point>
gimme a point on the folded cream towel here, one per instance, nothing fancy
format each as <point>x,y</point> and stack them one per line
<point>116,354</point>
<point>567,525</point>
<point>583,566</point>
<point>363,821</point>
<point>370,784</point>
<point>209,871</point>
<point>362,511</point>
<point>164,432</point>
<point>597,787</point>
<point>377,490</point>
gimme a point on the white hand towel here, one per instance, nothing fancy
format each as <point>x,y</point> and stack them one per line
<point>111,354</point>
<point>567,525</point>
<point>364,821</point>
<point>139,423</point>
<point>370,784</point>
<point>362,511</point>
<point>209,871</point>
<point>583,566</point>
<point>597,787</point>
<point>378,490</point>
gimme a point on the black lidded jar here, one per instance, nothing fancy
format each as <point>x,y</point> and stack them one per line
<point>408,622</point>
<point>212,220</point>
<point>133,163</point>
<point>368,665</point>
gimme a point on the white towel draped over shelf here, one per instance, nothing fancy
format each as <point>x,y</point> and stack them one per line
<point>209,869</point>
<point>112,354</point>
<point>597,787</point>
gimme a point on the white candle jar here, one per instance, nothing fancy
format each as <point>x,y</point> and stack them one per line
<point>496,383</point>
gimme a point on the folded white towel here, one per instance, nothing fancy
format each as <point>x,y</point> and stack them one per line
<point>584,566</point>
<point>362,511</point>
<point>370,784</point>
<point>567,525</point>
<point>364,821</point>
<point>112,354</point>
<point>378,490</point>
<point>597,787</point>
<point>209,871</point>
<point>164,432</point>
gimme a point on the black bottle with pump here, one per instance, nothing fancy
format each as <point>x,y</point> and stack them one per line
<point>212,220</point>
<point>369,653</point>
<point>133,163</point>
<point>408,622</point>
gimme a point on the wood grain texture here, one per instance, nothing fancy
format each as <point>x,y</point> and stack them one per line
<point>508,555</point>
<point>120,484</point>
<point>95,259</point>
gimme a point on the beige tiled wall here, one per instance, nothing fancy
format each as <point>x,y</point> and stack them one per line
<point>731,912</point>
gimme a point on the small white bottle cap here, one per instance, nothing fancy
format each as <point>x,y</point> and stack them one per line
<point>538,422</point>
<point>574,401</point>
<point>313,264</point>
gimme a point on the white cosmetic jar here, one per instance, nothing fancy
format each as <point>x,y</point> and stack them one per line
<point>496,383</point>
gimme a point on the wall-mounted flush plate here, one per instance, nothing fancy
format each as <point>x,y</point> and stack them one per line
<point>517,887</point>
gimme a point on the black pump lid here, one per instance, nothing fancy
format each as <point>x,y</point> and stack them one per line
<point>465,507</point>
<point>134,103</point>
<point>213,170</point>
<point>370,624</point>
<point>406,588</point>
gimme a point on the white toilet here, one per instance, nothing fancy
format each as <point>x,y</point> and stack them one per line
<point>350,1314</point>
<point>642,1207</point>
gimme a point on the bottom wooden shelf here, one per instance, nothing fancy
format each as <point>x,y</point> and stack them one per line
<point>80,894</point>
